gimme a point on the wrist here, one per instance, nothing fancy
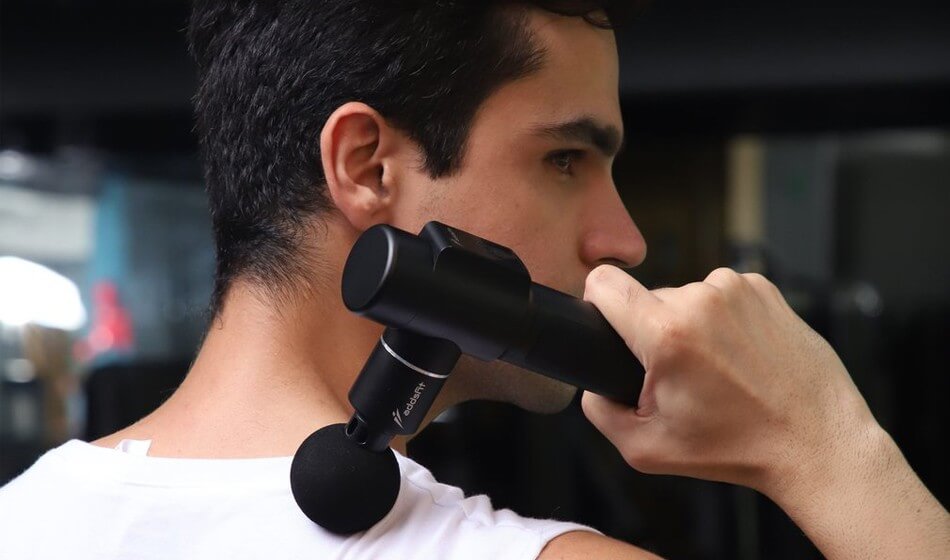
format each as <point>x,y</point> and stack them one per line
<point>862,500</point>
<point>814,478</point>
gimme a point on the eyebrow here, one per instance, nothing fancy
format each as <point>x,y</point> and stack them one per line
<point>606,138</point>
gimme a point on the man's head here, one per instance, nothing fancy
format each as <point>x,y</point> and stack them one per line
<point>500,118</point>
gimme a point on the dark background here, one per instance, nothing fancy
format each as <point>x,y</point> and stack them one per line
<point>848,104</point>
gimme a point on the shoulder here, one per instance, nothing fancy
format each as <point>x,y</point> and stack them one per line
<point>441,522</point>
<point>473,524</point>
<point>581,545</point>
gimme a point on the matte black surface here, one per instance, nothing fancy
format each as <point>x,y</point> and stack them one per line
<point>341,486</point>
<point>449,284</point>
<point>362,281</point>
<point>390,397</point>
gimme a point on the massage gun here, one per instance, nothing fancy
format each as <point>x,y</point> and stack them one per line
<point>440,294</point>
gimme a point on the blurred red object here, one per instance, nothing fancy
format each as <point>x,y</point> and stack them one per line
<point>111,329</point>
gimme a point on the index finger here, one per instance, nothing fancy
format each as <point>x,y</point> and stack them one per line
<point>625,303</point>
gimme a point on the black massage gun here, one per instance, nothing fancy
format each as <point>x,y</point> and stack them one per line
<point>442,293</point>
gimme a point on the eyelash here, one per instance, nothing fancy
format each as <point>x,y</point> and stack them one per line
<point>573,155</point>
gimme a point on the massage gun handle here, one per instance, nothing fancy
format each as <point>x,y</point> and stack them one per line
<point>573,342</point>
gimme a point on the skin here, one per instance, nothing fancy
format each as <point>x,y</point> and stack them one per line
<point>739,389</point>
<point>271,370</point>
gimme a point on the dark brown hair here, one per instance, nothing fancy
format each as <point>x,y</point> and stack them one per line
<point>271,72</point>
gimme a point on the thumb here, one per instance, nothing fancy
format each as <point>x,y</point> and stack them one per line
<point>620,423</point>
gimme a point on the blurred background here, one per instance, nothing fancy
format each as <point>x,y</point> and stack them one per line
<point>808,140</point>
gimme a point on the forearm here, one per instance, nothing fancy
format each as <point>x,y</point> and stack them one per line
<point>864,501</point>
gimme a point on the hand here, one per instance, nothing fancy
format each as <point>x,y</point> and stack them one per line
<point>738,388</point>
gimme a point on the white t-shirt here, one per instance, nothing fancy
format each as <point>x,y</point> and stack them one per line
<point>81,501</point>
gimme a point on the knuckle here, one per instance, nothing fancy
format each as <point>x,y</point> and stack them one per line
<point>757,280</point>
<point>630,293</point>
<point>673,336</point>
<point>761,283</point>
<point>709,299</point>
<point>723,274</point>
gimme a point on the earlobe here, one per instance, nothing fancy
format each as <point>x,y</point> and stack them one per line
<point>354,146</point>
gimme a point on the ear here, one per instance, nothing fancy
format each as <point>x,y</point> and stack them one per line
<point>356,147</point>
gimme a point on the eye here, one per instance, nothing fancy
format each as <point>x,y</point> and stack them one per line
<point>564,160</point>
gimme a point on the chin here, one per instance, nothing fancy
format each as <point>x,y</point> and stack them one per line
<point>474,379</point>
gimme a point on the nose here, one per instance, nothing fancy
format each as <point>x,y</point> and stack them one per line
<point>610,235</point>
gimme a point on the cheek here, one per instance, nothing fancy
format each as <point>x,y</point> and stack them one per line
<point>516,205</point>
<point>492,203</point>
<point>554,263</point>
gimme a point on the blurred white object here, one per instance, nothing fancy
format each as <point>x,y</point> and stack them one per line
<point>20,370</point>
<point>16,166</point>
<point>46,226</point>
<point>32,293</point>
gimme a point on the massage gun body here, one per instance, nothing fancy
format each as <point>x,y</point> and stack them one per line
<point>441,293</point>
<point>447,292</point>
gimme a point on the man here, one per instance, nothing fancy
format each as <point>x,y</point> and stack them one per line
<point>321,119</point>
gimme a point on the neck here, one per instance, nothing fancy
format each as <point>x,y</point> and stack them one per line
<point>266,377</point>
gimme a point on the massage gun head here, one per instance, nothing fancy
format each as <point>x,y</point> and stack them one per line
<point>340,485</point>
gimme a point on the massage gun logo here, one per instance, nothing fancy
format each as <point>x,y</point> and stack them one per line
<point>397,417</point>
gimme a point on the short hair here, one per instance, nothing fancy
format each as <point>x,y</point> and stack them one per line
<point>270,73</point>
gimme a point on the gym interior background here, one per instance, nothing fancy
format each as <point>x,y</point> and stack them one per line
<point>808,140</point>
